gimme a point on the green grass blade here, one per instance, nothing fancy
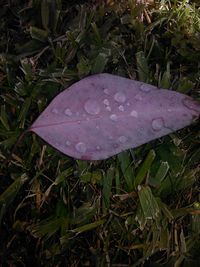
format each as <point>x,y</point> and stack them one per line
<point>8,196</point>
<point>45,14</point>
<point>107,186</point>
<point>100,63</point>
<point>160,175</point>
<point>125,163</point>
<point>148,203</point>
<point>87,227</point>
<point>142,67</point>
<point>24,111</point>
<point>144,168</point>
<point>3,118</point>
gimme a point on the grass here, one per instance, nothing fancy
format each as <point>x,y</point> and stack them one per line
<point>139,208</point>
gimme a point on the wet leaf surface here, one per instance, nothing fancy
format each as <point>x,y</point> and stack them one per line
<point>104,114</point>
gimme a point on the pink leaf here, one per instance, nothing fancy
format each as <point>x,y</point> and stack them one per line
<point>104,114</point>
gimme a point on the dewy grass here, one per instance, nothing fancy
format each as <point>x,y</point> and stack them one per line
<point>139,208</point>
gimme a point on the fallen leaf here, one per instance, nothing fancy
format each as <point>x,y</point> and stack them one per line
<point>104,114</point>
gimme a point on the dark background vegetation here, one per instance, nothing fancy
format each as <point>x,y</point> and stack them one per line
<point>139,208</point>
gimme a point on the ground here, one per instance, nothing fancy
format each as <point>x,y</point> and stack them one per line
<point>58,211</point>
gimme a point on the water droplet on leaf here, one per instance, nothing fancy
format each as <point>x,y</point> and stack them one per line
<point>134,113</point>
<point>115,145</point>
<point>92,107</point>
<point>157,124</point>
<point>108,108</point>
<point>122,139</point>
<point>54,110</point>
<point>138,97</point>
<point>113,117</point>
<point>106,91</point>
<point>145,88</point>
<point>68,143</point>
<point>81,147</point>
<point>191,104</point>
<point>68,112</point>
<point>121,108</point>
<point>120,97</point>
<point>106,102</point>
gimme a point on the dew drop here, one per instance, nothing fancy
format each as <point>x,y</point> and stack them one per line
<point>106,102</point>
<point>138,97</point>
<point>97,127</point>
<point>92,107</point>
<point>113,117</point>
<point>108,108</point>
<point>54,110</point>
<point>145,87</point>
<point>106,91</point>
<point>191,104</point>
<point>128,104</point>
<point>81,147</point>
<point>139,188</point>
<point>68,143</point>
<point>134,113</point>
<point>121,108</point>
<point>122,139</point>
<point>98,148</point>
<point>68,112</point>
<point>169,110</point>
<point>110,137</point>
<point>115,145</point>
<point>120,97</point>
<point>157,124</point>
